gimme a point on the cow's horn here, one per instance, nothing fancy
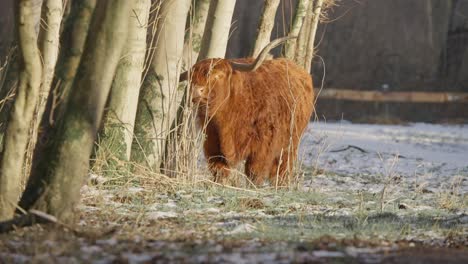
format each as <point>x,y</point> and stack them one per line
<point>261,57</point>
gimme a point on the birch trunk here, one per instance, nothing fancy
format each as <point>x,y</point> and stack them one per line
<point>36,14</point>
<point>160,95</point>
<point>267,21</point>
<point>302,40</point>
<point>54,187</point>
<point>75,31</point>
<point>182,142</point>
<point>117,133</point>
<point>216,34</point>
<point>316,12</point>
<point>16,136</point>
<point>49,35</point>
<point>301,10</point>
<point>74,36</point>
<point>193,42</point>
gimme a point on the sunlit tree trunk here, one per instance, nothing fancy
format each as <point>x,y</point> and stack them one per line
<point>16,136</point>
<point>194,37</point>
<point>180,148</point>
<point>303,37</point>
<point>160,95</point>
<point>116,137</point>
<point>305,43</point>
<point>316,12</point>
<point>267,21</point>
<point>54,186</point>
<point>216,34</point>
<point>301,10</point>
<point>49,34</point>
<point>75,30</point>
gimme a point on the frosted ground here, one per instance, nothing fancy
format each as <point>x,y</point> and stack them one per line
<point>425,155</point>
<point>366,194</point>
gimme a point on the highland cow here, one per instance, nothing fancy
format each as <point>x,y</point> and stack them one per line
<point>252,110</point>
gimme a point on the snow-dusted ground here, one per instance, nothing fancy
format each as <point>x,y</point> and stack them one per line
<point>420,172</point>
<point>434,154</point>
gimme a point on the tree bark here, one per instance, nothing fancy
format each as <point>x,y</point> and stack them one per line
<point>302,40</point>
<point>73,38</point>
<point>49,35</point>
<point>316,12</point>
<point>9,84</point>
<point>181,144</point>
<point>193,42</point>
<point>119,121</point>
<point>16,136</point>
<point>301,10</point>
<point>216,34</point>
<point>267,21</point>
<point>160,95</point>
<point>75,30</point>
<point>54,187</point>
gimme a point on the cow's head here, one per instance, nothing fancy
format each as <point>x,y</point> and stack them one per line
<point>210,78</point>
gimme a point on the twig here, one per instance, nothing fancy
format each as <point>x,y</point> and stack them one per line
<point>22,221</point>
<point>350,147</point>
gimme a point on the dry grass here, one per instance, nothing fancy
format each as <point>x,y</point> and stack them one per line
<point>450,197</point>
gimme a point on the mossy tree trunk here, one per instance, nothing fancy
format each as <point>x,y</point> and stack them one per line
<point>73,38</point>
<point>160,95</point>
<point>116,138</point>
<point>267,21</point>
<point>16,135</point>
<point>301,10</point>
<point>54,187</point>
<point>49,34</point>
<point>194,37</point>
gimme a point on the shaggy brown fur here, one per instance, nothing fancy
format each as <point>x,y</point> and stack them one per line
<point>256,116</point>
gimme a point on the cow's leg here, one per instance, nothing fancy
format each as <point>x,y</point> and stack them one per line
<point>217,162</point>
<point>282,168</point>
<point>257,167</point>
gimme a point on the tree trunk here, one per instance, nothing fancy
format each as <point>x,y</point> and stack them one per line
<point>182,142</point>
<point>75,30</point>
<point>9,84</point>
<point>193,42</point>
<point>117,133</point>
<point>316,12</point>
<point>49,35</point>
<point>301,10</point>
<point>54,187</point>
<point>16,136</point>
<point>267,21</point>
<point>216,34</point>
<point>160,95</point>
<point>73,38</point>
<point>302,40</point>
<point>36,14</point>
